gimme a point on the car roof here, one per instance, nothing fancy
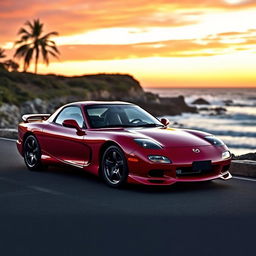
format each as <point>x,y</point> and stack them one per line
<point>88,103</point>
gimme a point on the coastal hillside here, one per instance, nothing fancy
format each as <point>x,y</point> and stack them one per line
<point>22,93</point>
<point>17,87</point>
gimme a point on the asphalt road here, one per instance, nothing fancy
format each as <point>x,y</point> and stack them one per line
<point>64,211</point>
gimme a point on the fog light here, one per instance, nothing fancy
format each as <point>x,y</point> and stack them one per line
<point>226,155</point>
<point>159,159</point>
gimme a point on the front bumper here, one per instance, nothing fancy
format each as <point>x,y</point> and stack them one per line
<point>140,171</point>
<point>171,180</point>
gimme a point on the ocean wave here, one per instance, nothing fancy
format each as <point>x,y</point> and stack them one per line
<point>248,123</point>
<point>245,146</point>
<point>243,116</point>
<point>227,133</point>
<point>240,151</point>
<point>237,128</point>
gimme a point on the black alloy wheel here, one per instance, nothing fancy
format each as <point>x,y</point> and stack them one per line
<point>114,167</point>
<point>32,154</point>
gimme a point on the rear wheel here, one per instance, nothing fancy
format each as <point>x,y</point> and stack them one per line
<point>32,154</point>
<point>114,167</point>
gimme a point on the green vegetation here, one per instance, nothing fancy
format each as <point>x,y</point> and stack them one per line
<point>17,87</point>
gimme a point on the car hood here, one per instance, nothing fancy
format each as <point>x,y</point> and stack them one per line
<point>171,137</point>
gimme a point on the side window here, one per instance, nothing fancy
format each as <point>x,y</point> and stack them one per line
<point>70,113</point>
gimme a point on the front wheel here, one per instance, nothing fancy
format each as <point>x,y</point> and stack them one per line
<point>32,154</point>
<point>114,167</point>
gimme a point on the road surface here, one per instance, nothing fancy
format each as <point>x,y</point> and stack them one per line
<point>64,211</point>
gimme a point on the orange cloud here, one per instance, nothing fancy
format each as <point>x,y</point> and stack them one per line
<point>208,46</point>
<point>171,48</point>
<point>76,16</point>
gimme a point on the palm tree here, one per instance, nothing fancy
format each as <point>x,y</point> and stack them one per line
<point>32,41</point>
<point>2,54</point>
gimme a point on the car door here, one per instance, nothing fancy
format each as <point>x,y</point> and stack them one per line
<point>65,143</point>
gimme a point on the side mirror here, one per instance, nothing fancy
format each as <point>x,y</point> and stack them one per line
<point>71,123</point>
<point>165,121</point>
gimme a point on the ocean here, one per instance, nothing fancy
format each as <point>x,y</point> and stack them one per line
<point>236,127</point>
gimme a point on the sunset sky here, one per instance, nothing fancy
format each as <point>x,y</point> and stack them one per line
<point>162,43</point>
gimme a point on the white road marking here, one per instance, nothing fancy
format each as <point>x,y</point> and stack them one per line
<point>45,190</point>
<point>2,138</point>
<point>243,178</point>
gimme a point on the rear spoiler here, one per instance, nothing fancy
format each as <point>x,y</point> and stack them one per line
<point>35,117</point>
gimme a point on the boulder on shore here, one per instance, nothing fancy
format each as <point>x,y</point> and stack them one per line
<point>228,102</point>
<point>248,156</point>
<point>167,106</point>
<point>200,101</point>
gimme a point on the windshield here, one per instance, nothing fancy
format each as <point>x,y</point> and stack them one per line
<point>119,115</point>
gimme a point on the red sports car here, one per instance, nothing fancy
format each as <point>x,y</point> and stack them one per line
<point>122,143</point>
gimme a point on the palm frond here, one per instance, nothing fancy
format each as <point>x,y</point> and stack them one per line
<point>25,38</point>
<point>22,51</point>
<point>18,42</point>
<point>45,56</point>
<point>29,24</point>
<point>54,48</point>
<point>53,54</point>
<point>23,31</point>
<point>37,28</point>
<point>50,34</point>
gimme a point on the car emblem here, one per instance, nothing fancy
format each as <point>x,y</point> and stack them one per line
<point>196,150</point>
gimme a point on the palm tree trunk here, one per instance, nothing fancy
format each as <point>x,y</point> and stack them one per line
<point>36,61</point>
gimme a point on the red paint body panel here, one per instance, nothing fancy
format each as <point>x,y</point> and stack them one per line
<point>64,145</point>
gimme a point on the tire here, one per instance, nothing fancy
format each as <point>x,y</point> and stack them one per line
<point>114,169</point>
<point>32,154</point>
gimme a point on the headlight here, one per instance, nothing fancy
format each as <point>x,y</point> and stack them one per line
<point>160,159</point>
<point>146,143</point>
<point>226,155</point>
<point>214,141</point>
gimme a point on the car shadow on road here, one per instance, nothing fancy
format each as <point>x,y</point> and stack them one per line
<point>81,175</point>
<point>182,187</point>
<point>72,172</point>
